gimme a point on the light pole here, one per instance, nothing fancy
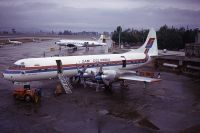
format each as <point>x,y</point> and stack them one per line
<point>119,40</point>
<point>119,29</point>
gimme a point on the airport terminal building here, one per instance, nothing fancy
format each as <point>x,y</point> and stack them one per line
<point>193,49</point>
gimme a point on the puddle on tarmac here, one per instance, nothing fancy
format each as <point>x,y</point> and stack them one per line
<point>135,116</point>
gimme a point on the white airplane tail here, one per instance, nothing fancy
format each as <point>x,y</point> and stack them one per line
<point>150,46</point>
<point>102,39</point>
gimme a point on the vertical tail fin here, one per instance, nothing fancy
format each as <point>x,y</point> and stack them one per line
<point>102,39</point>
<point>150,46</point>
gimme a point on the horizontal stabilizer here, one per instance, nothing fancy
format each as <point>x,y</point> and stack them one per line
<point>139,78</point>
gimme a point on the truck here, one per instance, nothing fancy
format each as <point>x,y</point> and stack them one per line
<point>27,94</point>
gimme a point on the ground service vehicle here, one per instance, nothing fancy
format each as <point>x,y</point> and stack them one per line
<point>28,94</point>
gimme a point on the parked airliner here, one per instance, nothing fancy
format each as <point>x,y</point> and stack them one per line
<point>14,42</point>
<point>107,67</point>
<point>82,43</point>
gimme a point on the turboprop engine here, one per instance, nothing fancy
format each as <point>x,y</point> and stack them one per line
<point>109,75</point>
<point>106,76</point>
<point>97,75</point>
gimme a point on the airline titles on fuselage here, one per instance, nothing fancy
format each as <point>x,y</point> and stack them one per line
<point>96,60</point>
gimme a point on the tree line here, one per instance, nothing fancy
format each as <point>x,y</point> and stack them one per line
<point>69,32</point>
<point>170,38</point>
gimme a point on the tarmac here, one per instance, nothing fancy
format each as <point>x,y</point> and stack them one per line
<point>169,106</point>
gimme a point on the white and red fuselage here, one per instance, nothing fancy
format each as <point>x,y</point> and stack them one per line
<point>46,68</point>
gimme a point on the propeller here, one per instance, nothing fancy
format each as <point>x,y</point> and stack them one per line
<point>79,77</point>
<point>105,77</point>
<point>99,77</point>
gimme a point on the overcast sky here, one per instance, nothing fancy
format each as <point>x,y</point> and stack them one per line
<point>97,15</point>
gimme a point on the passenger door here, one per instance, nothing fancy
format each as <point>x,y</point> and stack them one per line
<point>59,66</point>
<point>123,61</point>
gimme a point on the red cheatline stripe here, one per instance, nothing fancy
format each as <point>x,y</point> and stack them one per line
<point>76,65</point>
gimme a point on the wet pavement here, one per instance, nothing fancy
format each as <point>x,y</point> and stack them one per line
<point>172,105</point>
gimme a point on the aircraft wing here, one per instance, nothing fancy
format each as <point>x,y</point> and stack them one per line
<point>72,45</point>
<point>138,78</point>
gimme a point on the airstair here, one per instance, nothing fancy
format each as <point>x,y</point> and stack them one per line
<point>64,80</point>
<point>65,83</point>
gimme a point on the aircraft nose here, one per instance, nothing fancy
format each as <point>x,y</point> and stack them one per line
<point>5,75</point>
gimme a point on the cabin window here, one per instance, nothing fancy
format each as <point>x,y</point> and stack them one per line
<point>36,65</point>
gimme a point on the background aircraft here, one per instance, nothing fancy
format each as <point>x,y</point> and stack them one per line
<point>14,42</point>
<point>100,69</point>
<point>82,43</point>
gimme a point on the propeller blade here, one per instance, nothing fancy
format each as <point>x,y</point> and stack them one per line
<point>80,75</point>
<point>101,70</point>
<point>77,80</point>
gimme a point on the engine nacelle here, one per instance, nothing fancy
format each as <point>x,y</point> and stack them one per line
<point>110,75</point>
